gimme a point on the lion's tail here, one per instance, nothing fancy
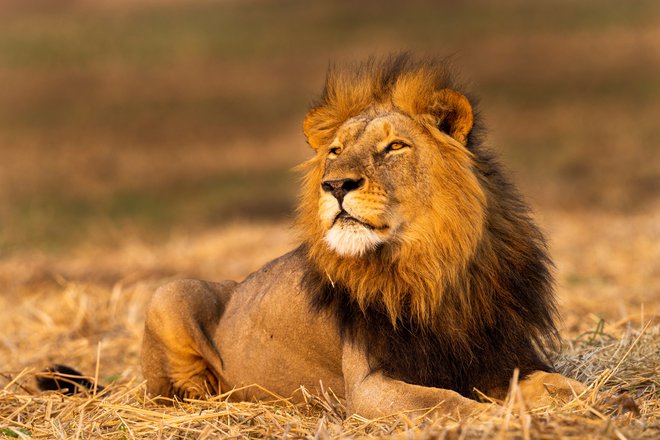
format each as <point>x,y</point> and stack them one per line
<point>66,380</point>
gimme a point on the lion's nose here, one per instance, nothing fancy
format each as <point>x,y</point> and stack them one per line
<point>340,187</point>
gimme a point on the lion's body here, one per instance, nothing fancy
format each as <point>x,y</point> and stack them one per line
<point>265,334</point>
<point>420,278</point>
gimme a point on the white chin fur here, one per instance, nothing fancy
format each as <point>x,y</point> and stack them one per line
<point>352,240</point>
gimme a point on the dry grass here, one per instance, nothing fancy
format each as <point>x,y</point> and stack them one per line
<point>87,311</point>
<point>624,372</point>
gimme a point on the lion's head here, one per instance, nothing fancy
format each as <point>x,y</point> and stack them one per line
<point>401,204</point>
<point>411,229</point>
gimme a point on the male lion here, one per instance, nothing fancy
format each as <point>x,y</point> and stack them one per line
<point>420,279</point>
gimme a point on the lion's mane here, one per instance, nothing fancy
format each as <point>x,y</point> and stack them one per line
<point>473,299</point>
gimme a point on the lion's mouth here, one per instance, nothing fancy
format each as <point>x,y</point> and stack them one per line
<point>344,216</point>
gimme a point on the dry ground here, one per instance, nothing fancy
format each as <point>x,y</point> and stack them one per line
<point>87,310</point>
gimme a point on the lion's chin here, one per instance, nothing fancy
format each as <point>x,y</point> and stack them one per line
<point>352,239</point>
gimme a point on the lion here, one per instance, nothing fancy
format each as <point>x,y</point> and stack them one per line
<point>421,280</point>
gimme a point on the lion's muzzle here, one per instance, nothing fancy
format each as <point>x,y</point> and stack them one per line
<point>340,187</point>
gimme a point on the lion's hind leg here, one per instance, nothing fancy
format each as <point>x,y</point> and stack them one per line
<point>179,355</point>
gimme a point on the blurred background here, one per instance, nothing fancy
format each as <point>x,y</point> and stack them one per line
<point>146,118</point>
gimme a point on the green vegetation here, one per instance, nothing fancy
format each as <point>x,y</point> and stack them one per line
<point>14,433</point>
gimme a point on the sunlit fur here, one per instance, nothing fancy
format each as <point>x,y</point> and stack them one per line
<point>464,230</point>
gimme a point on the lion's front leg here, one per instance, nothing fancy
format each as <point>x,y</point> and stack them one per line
<point>541,389</point>
<point>372,394</point>
<point>179,357</point>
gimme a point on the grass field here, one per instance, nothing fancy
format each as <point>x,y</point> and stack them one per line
<point>144,141</point>
<point>87,310</point>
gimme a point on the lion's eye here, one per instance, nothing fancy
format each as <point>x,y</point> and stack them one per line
<point>336,151</point>
<point>395,146</point>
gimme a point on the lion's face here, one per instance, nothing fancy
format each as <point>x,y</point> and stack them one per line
<point>385,178</point>
<point>371,168</point>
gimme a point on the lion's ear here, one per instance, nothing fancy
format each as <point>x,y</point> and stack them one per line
<point>313,127</point>
<point>454,114</point>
